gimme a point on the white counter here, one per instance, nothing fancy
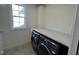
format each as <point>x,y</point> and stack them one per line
<point>57,36</point>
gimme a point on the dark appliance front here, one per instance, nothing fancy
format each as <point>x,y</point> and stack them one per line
<point>34,40</point>
<point>43,45</point>
<point>46,47</point>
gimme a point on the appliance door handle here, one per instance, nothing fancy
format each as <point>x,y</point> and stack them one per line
<point>46,48</point>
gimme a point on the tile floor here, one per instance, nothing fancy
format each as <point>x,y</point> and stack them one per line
<point>25,49</point>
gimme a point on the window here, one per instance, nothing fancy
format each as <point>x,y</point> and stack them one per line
<point>18,16</point>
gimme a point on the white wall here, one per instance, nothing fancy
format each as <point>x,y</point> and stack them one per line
<point>1,17</point>
<point>31,16</point>
<point>14,38</point>
<point>41,16</point>
<point>1,33</point>
<point>75,35</point>
<point>60,18</point>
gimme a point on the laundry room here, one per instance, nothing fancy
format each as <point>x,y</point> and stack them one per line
<point>39,29</point>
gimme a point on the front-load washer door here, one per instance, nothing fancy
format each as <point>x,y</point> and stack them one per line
<point>43,49</point>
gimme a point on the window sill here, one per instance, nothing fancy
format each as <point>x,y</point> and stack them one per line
<point>18,29</point>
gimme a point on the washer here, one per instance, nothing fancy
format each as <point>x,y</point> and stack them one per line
<point>46,47</point>
<point>34,40</point>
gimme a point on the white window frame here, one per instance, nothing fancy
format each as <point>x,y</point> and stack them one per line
<point>21,27</point>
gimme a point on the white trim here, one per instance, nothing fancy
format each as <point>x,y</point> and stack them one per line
<point>11,21</point>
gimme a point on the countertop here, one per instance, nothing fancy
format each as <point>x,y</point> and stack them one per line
<point>60,37</point>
